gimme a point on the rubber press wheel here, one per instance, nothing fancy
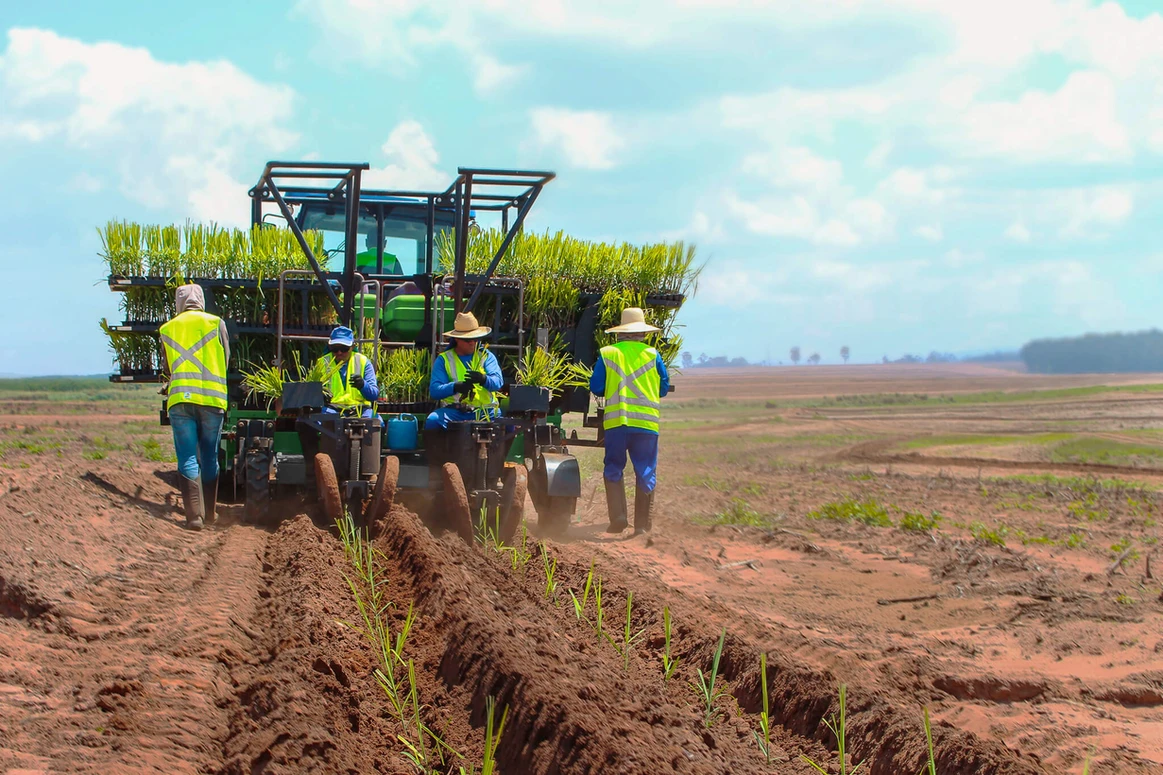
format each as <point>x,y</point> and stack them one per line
<point>328,485</point>
<point>456,503</point>
<point>514,485</point>
<point>385,490</point>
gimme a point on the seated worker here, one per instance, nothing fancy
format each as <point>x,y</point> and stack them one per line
<point>452,382</point>
<point>351,380</point>
<point>350,376</point>
<point>365,262</point>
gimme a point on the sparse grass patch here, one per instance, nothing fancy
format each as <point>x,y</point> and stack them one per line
<point>867,512</point>
<point>990,535</point>
<point>739,512</point>
<point>152,450</point>
<point>1094,450</point>
<point>966,439</point>
<point>918,522</point>
<point>1075,540</point>
<point>1117,550</point>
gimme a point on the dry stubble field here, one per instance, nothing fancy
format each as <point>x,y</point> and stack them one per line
<point>959,538</point>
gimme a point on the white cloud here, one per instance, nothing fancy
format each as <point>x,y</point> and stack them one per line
<point>400,36</point>
<point>1079,122</point>
<point>1088,210</point>
<point>170,134</point>
<point>86,183</point>
<point>412,160</point>
<point>932,233</point>
<point>917,187</point>
<point>1018,232</point>
<point>795,167</point>
<point>588,139</point>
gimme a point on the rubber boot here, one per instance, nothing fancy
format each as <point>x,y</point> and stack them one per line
<point>643,511</point>
<point>192,501</point>
<point>210,500</point>
<point>616,505</point>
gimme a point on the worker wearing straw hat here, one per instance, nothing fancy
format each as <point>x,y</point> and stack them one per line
<point>464,379</point>
<point>632,378</point>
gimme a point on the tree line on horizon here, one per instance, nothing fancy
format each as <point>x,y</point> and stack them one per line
<point>1096,353</point>
<point>795,355</point>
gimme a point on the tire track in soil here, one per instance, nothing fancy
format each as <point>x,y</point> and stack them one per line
<point>117,659</point>
<point>574,709</point>
<point>307,701</point>
<point>872,452</point>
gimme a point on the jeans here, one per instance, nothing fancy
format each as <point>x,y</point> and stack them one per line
<point>197,430</point>
<point>643,449</point>
<point>446,414</point>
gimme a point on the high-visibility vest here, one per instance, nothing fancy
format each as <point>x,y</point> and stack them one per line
<point>197,359</point>
<point>343,393</point>
<point>481,397</point>
<point>632,386</point>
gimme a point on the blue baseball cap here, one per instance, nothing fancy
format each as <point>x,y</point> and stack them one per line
<point>342,335</point>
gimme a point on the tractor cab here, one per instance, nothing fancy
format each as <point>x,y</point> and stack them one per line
<point>391,235</point>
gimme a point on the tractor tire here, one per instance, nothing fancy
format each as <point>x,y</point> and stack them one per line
<point>257,508</point>
<point>554,516</point>
<point>514,485</point>
<point>384,493</point>
<point>456,507</point>
<point>328,485</point>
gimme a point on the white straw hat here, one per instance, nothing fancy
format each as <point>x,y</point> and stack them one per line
<point>633,322</point>
<point>466,327</point>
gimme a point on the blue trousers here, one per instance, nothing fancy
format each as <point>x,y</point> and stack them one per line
<point>197,430</point>
<point>446,414</point>
<point>642,447</point>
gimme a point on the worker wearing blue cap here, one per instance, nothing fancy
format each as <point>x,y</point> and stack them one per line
<point>349,376</point>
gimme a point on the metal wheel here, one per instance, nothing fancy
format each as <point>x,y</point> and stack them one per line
<point>514,485</point>
<point>456,503</point>
<point>328,485</point>
<point>258,486</point>
<point>384,493</point>
<point>553,517</point>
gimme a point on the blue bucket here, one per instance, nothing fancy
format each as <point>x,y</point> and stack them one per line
<point>403,432</point>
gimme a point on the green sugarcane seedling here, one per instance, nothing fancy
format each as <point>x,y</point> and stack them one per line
<point>669,662</point>
<point>764,742</point>
<point>550,572</point>
<point>629,638</point>
<point>838,725</point>
<point>706,686</point>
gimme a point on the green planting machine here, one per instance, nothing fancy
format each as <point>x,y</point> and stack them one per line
<point>396,267</point>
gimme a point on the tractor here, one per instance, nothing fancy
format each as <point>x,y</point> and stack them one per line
<point>471,478</point>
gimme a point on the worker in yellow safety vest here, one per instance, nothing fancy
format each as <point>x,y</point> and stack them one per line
<point>464,375</point>
<point>350,378</point>
<point>197,350</point>
<point>632,378</point>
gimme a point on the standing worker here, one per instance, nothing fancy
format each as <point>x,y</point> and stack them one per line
<point>197,350</point>
<point>632,378</point>
<point>452,375</point>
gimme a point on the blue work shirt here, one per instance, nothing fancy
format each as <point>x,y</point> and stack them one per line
<point>441,384</point>
<point>370,390</point>
<point>598,386</point>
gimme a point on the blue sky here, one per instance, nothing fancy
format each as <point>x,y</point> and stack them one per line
<point>892,175</point>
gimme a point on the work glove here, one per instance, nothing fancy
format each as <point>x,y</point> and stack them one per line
<point>464,388</point>
<point>358,382</point>
<point>476,377</point>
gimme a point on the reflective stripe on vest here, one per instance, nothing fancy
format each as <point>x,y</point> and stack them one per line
<point>633,386</point>
<point>196,358</point>
<point>481,397</point>
<point>346,395</point>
